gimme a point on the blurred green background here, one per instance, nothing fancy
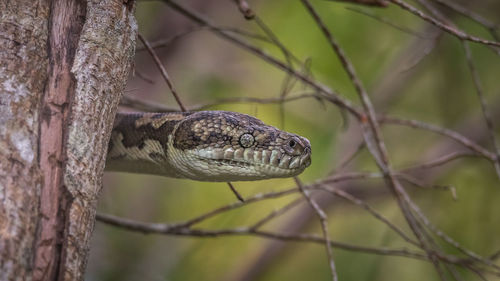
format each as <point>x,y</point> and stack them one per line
<point>422,77</point>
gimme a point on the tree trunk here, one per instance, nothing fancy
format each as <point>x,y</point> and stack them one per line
<point>63,66</point>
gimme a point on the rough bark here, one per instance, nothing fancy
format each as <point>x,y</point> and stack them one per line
<point>23,72</point>
<point>63,65</point>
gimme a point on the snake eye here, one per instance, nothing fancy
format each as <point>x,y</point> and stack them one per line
<point>246,140</point>
<point>292,143</point>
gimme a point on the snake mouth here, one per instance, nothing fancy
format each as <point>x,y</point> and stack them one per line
<point>265,159</point>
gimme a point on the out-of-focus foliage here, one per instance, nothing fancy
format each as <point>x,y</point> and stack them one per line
<point>435,88</point>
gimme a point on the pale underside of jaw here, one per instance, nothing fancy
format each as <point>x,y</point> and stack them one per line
<point>247,156</point>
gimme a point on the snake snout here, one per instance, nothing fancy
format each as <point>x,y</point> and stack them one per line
<point>299,150</point>
<point>305,159</point>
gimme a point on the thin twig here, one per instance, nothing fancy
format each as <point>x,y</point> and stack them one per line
<point>412,180</point>
<point>324,226</point>
<point>426,51</point>
<point>456,275</point>
<point>442,131</point>
<point>277,100</point>
<point>165,42</point>
<point>277,213</point>
<point>450,240</point>
<point>287,84</point>
<point>388,22</point>
<point>147,228</point>
<point>440,161</point>
<point>348,158</point>
<point>142,105</point>
<point>238,204</point>
<point>477,272</point>
<point>486,112</point>
<point>492,27</point>
<point>249,14</point>
<point>457,33</point>
<point>143,77</point>
<point>235,192</point>
<point>156,107</point>
<point>464,250</point>
<point>495,256</point>
<point>163,71</point>
<point>376,3</point>
<point>368,208</point>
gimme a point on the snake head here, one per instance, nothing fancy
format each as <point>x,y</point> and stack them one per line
<point>229,146</point>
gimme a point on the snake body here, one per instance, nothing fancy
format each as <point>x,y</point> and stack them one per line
<point>205,146</point>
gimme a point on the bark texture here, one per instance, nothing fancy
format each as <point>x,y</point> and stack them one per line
<point>63,66</point>
<point>23,74</point>
<point>101,68</point>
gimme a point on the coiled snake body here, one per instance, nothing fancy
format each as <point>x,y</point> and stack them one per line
<point>205,146</point>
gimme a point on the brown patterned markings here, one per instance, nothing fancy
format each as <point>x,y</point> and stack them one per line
<point>156,120</point>
<point>222,129</point>
<point>204,129</point>
<point>139,127</point>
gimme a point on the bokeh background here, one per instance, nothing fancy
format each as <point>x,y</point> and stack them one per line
<point>415,73</point>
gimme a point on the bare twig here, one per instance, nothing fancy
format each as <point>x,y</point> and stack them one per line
<point>163,71</point>
<point>143,77</point>
<point>236,193</point>
<point>165,42</point>
<point>277,213</point>
<point>235,205</point>
<point>455,32</point>
<point>369,209</point>
<point>288,83</point>
<point>277,100</point>
<point>492,27</point>
<point>412,180</point>
<point>140,104</point>
<point>174,230</point>
<point>440,161</point>
<point>147,106</point>
<point>388,22</point>
<point>451,241</point>
<point>495,255</point>
<point>348,159</point>
<point>486,113</point>
<point>442,131</point>
<point>324,226</point>
<point>376,3</point>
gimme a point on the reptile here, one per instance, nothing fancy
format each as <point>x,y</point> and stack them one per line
<point>205,146</point>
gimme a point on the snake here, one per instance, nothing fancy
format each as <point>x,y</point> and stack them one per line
<point>217,146</point>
